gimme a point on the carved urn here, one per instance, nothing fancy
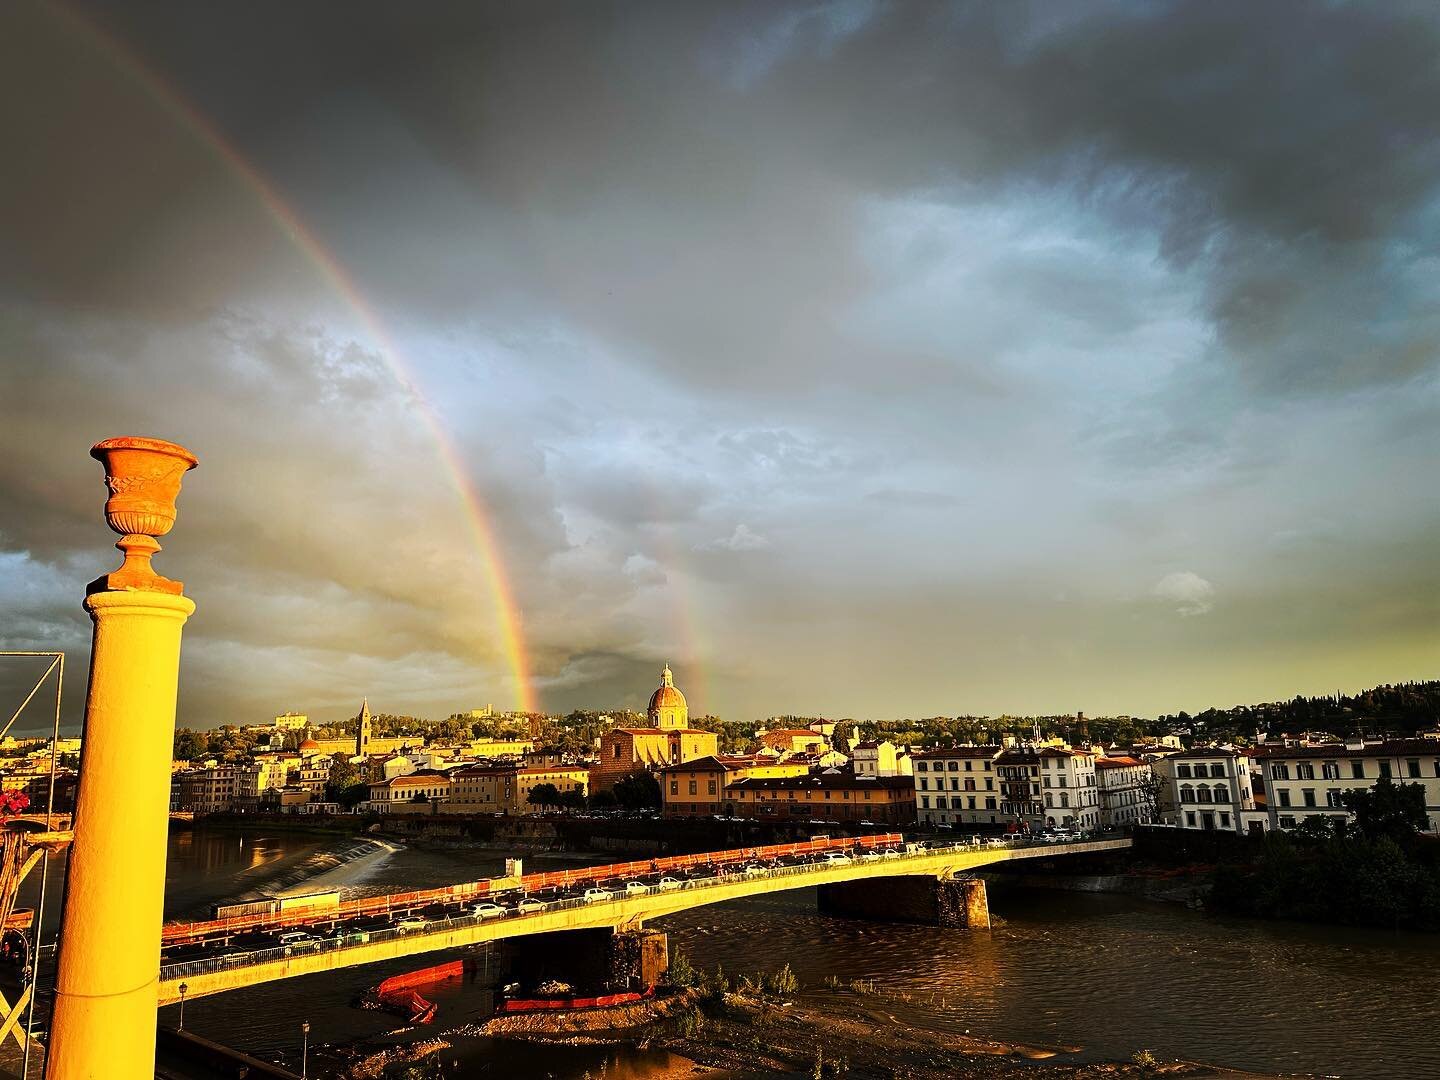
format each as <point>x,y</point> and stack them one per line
<point>143,476</point>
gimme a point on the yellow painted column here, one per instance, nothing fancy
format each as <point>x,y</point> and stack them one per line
<point>103,1027</point>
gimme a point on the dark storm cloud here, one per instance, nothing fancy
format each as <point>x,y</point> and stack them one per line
<point>904,319</point>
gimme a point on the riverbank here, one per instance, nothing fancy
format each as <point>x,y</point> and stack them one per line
<point>853,1034</point>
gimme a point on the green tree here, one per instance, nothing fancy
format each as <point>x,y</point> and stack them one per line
<point>638,791</point>
<point>544,795</point>
<point>1388,809</point>
<point>190,745</point>
<point>343,776</point>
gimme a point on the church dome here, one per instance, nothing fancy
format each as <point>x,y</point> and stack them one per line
<point>309,744</point>
<point>667,705</point>
<point>667,697</point>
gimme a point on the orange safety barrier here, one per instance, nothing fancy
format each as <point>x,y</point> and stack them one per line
<point>181,933</point>
<point>544,1004</point>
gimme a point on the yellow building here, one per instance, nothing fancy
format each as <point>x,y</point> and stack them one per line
<point>669,741</point>
<point>829,796</point>
<point>499,790</point>
<point>697,788</point>
<point>793,740</point>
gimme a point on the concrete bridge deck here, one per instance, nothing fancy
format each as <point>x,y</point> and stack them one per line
<point>627,911</point>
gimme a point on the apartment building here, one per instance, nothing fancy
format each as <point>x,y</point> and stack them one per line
<point>833,795</point>
<point>1210,788</point>
<point>1069,792</point>
<point>957,786</point>
<point>418,793</point>
<point>1302,781</point>
<point>883,758</point>
<point>204,791</point>
<point>697,788</point>
<point>1127,791</point>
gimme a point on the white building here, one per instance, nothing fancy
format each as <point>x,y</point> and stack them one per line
<point>957,786</point>
<point>1127,791</point>
<point>873,758</point>
<point>1305,781</point>
<point>1068,788</point>
<point>1209,788</point>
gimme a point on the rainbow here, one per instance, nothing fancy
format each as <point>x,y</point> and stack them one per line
<point>169,98</point>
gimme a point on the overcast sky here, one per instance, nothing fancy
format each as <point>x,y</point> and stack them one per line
<point>858,359</point>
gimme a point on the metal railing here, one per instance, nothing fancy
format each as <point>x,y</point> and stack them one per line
<point>726,874</point>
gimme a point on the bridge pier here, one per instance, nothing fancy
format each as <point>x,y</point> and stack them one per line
<point>619,959</point>
<point>953,902</point>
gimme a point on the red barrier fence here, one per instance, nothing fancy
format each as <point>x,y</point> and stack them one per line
<point>180,933</point>
<point>514,1005</point>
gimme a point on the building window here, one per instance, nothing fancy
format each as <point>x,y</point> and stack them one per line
<point>954,766</point>
<point>1385,769</point>
<point>1183,770</point>
<point>674,787</point>
<point>1305,771</point>
<point>1412,768</point>
<point>1217,769</point>
<point>1064,799</point>
<point>1330,770</point>
<point>922,766</point>
<point>1190,818</point>
<point>711,786</point>
<point>1284,794</point>
<point>1224,821</point>
<point>1187,793</point>
<point>1357,770</point>
<point>1332,798</point>
<point>1287,821</point>
<point>924,784</point>
<point>925,802</point>
<point>1221,795</point>
<point>692,787</point>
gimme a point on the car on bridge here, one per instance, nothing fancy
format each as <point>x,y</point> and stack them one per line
<point>488,911</point>
<point>668,884</point>
<point>411,923</point>
<point>298,941</point>
<point>635,888</point>
<point>595,896</point>
<point>754,869</point>
<point>530,905</point>
<point>836,858</point>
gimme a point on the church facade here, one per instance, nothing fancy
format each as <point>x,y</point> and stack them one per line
<point>670,740</point>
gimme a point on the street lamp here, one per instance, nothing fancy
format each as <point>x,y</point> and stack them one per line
<point>304,1049</point>
<point>182,988</point>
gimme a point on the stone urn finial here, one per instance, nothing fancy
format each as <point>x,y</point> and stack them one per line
<point>143,476</point>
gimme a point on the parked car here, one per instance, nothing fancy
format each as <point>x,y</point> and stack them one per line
<point>487,911</point>
<point>411,922</point>
<point>530,905</point>
<point>754,869</point>
<point>667,884</point>
<point>634,887</point>
<point>835,858</point>
<point>594,896</point>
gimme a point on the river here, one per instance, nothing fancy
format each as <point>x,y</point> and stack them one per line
<point>1111,974</point>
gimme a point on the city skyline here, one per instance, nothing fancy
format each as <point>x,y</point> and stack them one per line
<point>1106,381</point>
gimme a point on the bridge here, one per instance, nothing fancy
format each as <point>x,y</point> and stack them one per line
<point>613,899</point>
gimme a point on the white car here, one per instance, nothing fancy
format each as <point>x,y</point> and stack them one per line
<point>411,922</point>
<point>530,905</point>
<point>755,870</point>
<point>891,853</point>
<point>487,911</point>
<point>668,884</point>
<point>836,858</point>
<point>594,896</point>
<point>633,888</point>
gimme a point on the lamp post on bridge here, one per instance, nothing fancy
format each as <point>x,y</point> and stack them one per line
<point>304,1049</point>
<point>106,981</point>
<point>182,988</point>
